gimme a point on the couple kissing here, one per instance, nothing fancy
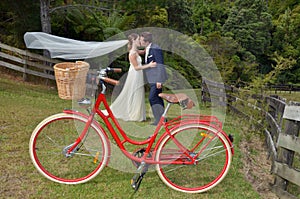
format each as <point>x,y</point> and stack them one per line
<point>130,104</point>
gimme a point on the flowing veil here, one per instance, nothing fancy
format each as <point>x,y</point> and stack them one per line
<point>60,47</point>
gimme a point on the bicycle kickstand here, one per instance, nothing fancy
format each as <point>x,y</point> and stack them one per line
<point>138,177</point>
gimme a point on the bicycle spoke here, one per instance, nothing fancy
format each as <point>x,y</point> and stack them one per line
<point>49,138</point>
<point>212,153</point>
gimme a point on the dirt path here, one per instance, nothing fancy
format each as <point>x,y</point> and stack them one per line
<point>257,166</point>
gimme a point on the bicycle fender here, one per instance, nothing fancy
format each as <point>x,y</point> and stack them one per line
<point>189,122</point>
<point>219,128</point>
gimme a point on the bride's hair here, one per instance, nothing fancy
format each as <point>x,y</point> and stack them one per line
<point>131,37</point>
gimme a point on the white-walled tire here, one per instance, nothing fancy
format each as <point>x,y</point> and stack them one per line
<point>53,135</point>
<point>211,166</point>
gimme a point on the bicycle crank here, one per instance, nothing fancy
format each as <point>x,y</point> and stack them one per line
<point>138,177</point>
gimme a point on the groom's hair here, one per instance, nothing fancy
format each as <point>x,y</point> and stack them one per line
<point>147,36</point>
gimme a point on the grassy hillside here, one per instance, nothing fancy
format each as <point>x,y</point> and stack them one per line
<point>23,106</point>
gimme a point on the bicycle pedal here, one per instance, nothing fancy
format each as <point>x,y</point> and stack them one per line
<point>96,157</point>
<point>132,183</point>
<point>136,181</point>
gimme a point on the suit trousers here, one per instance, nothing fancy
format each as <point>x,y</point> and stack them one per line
<point>156,102</point>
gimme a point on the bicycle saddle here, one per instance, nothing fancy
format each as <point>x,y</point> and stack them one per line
<point>178,98</point>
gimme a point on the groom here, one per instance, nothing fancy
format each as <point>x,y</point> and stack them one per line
<point>155,76</point>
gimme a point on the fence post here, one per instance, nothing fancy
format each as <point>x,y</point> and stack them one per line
<point>292,127</point>
<point>203,92</point>
<point>25,58</point>
<point>222,98</point>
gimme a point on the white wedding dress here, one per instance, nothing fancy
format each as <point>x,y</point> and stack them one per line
<point>130,104</point>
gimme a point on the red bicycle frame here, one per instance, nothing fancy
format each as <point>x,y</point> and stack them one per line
<point>185,119</point>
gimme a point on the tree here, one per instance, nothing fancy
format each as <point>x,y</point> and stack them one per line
<point>278,7</point>
<point>273,77</point>
<point>180,15</point>
<point>45,16</point>
<point>157,17</point>
<point>250,25</point>
<point>139,9</point>
<point>18,17</point>
<point>209,16</point>
<point>175,14</point>
<point>86,24</point>
<point>286,43</point>
<point>225,52</point>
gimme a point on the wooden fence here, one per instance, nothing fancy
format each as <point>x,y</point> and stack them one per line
<point>34,64</point>
<point>216,92</point>
<point>283,88</point>
<point>280,123</point>
<point>286,164</point>
<point>26,62</point>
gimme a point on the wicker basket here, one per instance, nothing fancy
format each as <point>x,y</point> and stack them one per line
<point>71,79</point>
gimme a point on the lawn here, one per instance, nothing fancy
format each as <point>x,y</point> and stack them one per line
<point>288,96</point>
<point>24,105</point>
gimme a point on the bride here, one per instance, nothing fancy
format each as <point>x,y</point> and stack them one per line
<point>130,104</point>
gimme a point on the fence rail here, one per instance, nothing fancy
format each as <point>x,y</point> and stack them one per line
<point>281,127</point>
<point>286,166</point>
<point>283,88</point>
<point>26,62</point>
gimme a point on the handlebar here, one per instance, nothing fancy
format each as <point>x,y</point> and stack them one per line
<point>110,81</point>
<point>103,75</point>
<point>115,70</point>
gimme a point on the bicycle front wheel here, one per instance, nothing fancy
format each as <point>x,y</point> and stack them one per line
<point>202,143</point>
<point>54,136</point>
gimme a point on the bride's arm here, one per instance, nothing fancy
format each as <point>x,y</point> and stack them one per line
<point>133,61</point>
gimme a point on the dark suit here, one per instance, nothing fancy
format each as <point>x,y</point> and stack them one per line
<point>154,75</point>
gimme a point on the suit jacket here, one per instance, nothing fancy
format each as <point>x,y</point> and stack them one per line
<point>158,73</point>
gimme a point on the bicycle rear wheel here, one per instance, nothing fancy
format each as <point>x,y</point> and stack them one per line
<point>201,142</point>
<point>53,137</point>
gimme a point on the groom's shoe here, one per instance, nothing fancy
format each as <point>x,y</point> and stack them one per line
<point>154,124</point>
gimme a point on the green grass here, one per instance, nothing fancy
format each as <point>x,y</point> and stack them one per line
<point>293,96</point>
<point>24,105</point>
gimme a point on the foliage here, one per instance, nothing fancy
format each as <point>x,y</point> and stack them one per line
<point>235,65</point>
<point>158,17</point>
<point>83,24</point>
<point>249,23</point>
<point>16,18</point>
<point>278,7</point>
<point>184,68</point>
<point>286,42</point>
<point>209,16</point>
<point>179,15</point>
<point>282,64</point>
<point>244,37</point>
<point>146,13</point>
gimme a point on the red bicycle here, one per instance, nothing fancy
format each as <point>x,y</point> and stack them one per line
<point>192,154</point>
